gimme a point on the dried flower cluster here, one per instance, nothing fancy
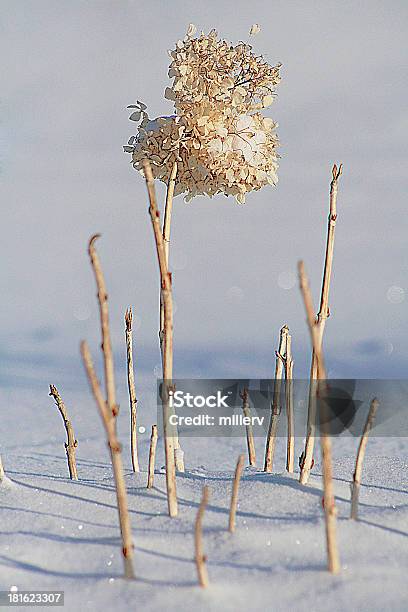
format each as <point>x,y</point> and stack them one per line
<point>220,139</point>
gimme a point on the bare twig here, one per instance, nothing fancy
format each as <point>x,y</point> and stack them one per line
<point>72,443</point>
<point>115,448</point>
<point>248,427</point>
<point>109,410</point>
<point>290,449</point>
<point>234,496</point>
<point>102,296</point>
<point>132,391</point>
<point>355,487</point>
<point>330,510</point>
<point>1,470</point>
<point>152,457</point>
<point>200,558</point>
<point>275,407</point>
<point>321,322</point>
<point>166,292</point>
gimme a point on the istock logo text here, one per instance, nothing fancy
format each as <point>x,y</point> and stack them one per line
<point>178,399</point>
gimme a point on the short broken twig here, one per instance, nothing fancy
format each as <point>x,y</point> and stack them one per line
<point>275,405</point>
<point>200,557</point>
<point>355,487</point>
<point>152,457</point>
<point>72,443</point>
<point>248,427</point>
<point>234,495</point>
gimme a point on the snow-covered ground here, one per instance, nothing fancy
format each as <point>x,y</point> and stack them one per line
<point>63,535</point>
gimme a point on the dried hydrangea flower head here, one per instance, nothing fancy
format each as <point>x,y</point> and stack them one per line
<point>219,137</point>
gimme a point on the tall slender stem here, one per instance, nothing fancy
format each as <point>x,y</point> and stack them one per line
<point>321,323</point>
<point>131,389</point>
<point>168,209</point>
<point>115,449</point>
<point>166,292</point>
<point>102,296</point>
<point>330,510</point>
<point>290,447</point>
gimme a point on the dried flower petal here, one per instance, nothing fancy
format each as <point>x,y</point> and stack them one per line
<point>255,29</point>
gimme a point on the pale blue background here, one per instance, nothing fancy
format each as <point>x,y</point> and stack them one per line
<point>71,69</point>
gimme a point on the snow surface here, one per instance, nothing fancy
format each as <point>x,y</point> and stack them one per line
<point>63,535</point>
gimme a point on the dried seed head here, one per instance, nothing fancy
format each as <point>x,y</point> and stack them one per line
<point>221,142</point>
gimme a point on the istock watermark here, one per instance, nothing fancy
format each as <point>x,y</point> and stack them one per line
<point>213,407</point>
<point>179,399</point>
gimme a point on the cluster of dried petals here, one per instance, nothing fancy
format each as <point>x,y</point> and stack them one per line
<point>220,139</point>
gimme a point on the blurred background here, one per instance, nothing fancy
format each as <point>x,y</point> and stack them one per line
<point>71,70</point>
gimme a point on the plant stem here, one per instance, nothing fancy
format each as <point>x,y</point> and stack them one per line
<point>152,457</point>
<point>330,511</point>
<point>131,389</point>
<point>249,430</point>
<point>108,409</point>
<point>290,449</point>
<point>105,331</point>
<point>275,407</point>
<point>200,558</point>
<point>321,322</point>
<point>72,443</point>
<point>234,496</point>
<point>355,487</point>
<point>168,209</point>
<point>166,292</point>
<point>115,449</point>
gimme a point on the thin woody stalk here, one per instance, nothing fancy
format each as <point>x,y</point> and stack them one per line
<point>109,409</point>
<point>115,449</point>
<point>72,443</point>
<point>355,487</point>
<point>330,510</point>
<point>1,470</point>
<point>102,296</point>
<point>275,407</point>
<point>152,457</point>
<point>200,557</point>
<point>320,324</point>
<point>168,209</point>
<point>166,239</point>
<point>166,292</point>
<point>290,448</point>
<point>132,391</point>
<point>234,495</point>
<point>249,430</point>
